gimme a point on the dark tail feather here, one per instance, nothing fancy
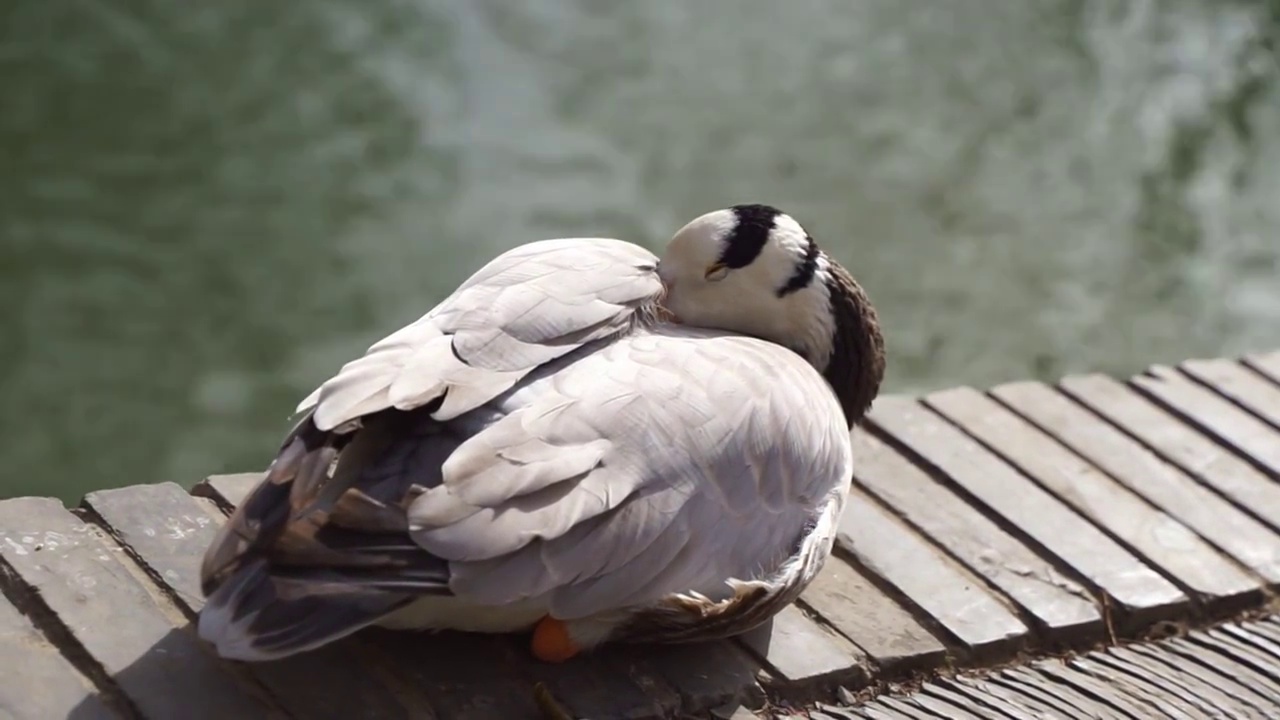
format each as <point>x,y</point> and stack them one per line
<point>255,616</point>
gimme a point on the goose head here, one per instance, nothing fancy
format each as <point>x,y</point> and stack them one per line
<point>753,269</point>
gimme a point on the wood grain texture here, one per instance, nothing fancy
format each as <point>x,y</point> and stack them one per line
<point>1062,610</point>
<point>1142,594</point>
<point>1162,484</point>
<point>1181,444</point>
<point>84,581</point>
<point>1213,415</point>
<point>1156,537</point>
<point>1238,383</point>
<point>167,530</point>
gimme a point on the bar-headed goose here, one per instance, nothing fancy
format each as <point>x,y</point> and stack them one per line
<point>583,440</point>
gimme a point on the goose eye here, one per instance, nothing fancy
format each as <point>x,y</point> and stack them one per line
<point>716,272</point>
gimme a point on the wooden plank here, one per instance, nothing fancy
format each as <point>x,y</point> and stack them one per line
<point>1142,594</point>
<point>707,675</point>
<point>1142,671</point>
<point>1012,704</point>
<point>615,681</point>
<point>1061,608</point>
<point>1061,699</point>
<point>1088,686</point>
<point>1178,443</point>
<point>1213,415</point>
<point>1266,364</point>
<point>1162,484</point>
<point>803,654</point>
<point>1158,538</point>
<point>1241,385</point>
<point>881,627</point>
<point>1208,653</point>
<point>1025,702</point>
<point>1206,668</point>
<point>227,490</point>
<point>1042,704</point>
<point>1183,673</point>
<point>1136,686</point>
<point>113,615</point>
<point>167,531</point>
<point>1246,659</point>
<point>464,675</point>
<point>941,708</point>
<point>957,696</point>
<point>38,681</point>
<point>885,546</point>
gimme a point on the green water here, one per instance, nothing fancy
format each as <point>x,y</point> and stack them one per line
<point>206,208</point>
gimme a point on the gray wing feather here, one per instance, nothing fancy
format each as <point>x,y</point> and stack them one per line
<point>525,308</point>
<point>658,464</point>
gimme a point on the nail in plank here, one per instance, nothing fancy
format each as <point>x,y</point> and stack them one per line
<point>1141,592</point>
<point>1175,441</point>
<point>1214,415</point>
<point>38,681</point>
<point>1162,484</point>
<point>962,605</point>
<point>1061,607</point>
<point>875,622</point>
<point>1160,539</point>
<point>1243,386</point>
<point>168,531</point>
<point>111,614</point>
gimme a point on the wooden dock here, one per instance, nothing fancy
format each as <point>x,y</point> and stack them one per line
<point>1094,548</point>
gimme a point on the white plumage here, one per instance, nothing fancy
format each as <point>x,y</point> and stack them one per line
<point>545,443</point>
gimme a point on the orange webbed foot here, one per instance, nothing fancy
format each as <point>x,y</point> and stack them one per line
<point>551,642</point>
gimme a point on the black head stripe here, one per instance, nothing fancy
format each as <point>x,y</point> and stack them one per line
<point>749,236</point>
<point>805,270</point>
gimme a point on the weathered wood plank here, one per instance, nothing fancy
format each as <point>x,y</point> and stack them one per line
<point>884,545</point>
<point>1213,415</point>
<point>804,654</point>
<point>1140,691</point>
<point>1180,444</point>
<point>465,676</point>
<point>1087,686</point>
<point>707,675</point>
<point>1142,594</point>
<point>1062,609</point>
<point>1162,484</point>
<point>1140,670</point>
<point>1052,703</point>
<point>955,695</point>
<point>940,708</point>
<point>1267,364</point>
<point>1158,538</point>
<point>1013,704</point>
<point>167,530</point>
<point>113,616</point>
<point>1183,673</point>
<point>1025,702</point>
<point>1243,386</point>
<point>877,624</point>
<point>1247,659</point>
<point>227,490</point>
<point>38,681</point>
<point>1206,669</point>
